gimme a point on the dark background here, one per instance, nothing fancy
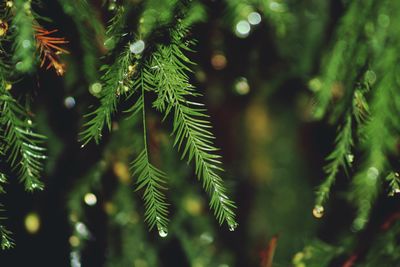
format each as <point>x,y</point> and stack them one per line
<point>272,150</point>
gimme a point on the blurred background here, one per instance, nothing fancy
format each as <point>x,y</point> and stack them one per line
<point>256,67</point>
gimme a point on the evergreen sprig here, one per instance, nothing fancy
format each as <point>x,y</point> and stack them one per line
<point>394,183</point>
<point>163,70</point>
<point>23,146</point>
<point>345,55</point>
<point>24,38</point>
<point>149,178</point>
<point>190,125</point>
<point>152,181</point>
<point>379,136</point>
<point>340,157</point>
<point>6,241</point>
<point>115,81</point>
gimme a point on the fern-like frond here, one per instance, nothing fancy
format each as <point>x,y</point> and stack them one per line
<point>115,81</point>
<point>152,181</point>
<point>380,134</point>
<point>340,59</point>
<point>394,183</point>
<point>190,125</point>
<point>340,157</point>
<point>6,241</point>
<point>23,146</point>
<point>149,178</point>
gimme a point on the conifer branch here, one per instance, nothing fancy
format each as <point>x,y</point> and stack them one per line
<point>115,81</point>
<point>6,241</point>
<point>24,36</point>
<point>379,135</point>
<point>340,157</point>
<point>341,57</point>
<point>155,13</point>
<point>82,14</point>
<point>190,126</point>
<point>150,179</point>
<point>394,183</point>
<point>23,146</point>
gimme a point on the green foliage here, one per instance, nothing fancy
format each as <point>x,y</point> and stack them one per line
<point>374,101</point>
<point>6,241</point>
<point>24,38</point>
<point>124,233</point>
<point>155,13</point>
<point>24,147</point>
<point>190,125</point>
<point>115,81</point>
<point>19,144</point>
<point>164,72</point>
<point>344,55</point>
<point>316,254</point>
<point>394,183</point>
<point>340,157</point>
<point>149,178</point>
<point>385,250</point>
<point>82,14</point>
<point>152,181</point>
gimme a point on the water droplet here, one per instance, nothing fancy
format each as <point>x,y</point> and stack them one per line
<point>90,199</point>
<point>277,7</point>
<point>75,259</point>
<point>206,238</point>
<point>26,43</point>
<point>19,66</point>
<point>112,6</point>
<point>254,18</point>
<point>74,241</point>
<point>162,232</point>
<point>372,173</point>
<point>27,6</point>
<point>34,185</point>
<point>242,28</point>
<point>69,102</point>
<point>83,145</point>
<point>137,47</point>
<point>29,122</point>
<point>32,222</point>
<point>242,87</point>
<point>95,88</point>
<point>318,211</point>
<point>233,226</point>
<point>109,43</point>
<point>8,86</point>
<point>350,158</point>
<point>82,229</point>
